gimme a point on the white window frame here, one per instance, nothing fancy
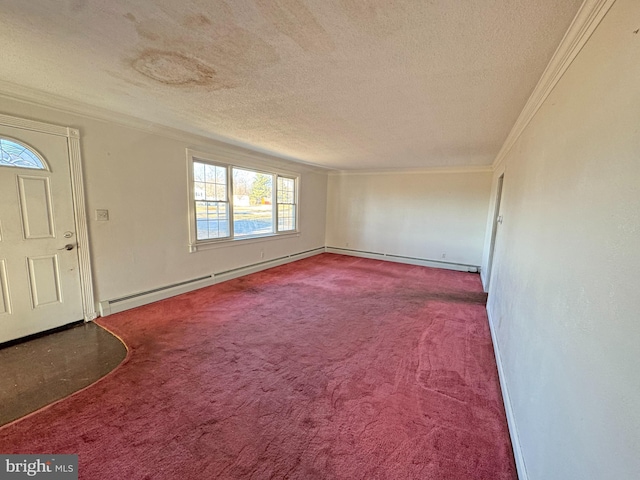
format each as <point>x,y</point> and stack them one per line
<point>228,161</point>
<point>294,202</point>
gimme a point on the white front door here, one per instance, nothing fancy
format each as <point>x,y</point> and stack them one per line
<point>40,285</point>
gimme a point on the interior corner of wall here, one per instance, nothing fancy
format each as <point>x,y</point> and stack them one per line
<point>104,308</point>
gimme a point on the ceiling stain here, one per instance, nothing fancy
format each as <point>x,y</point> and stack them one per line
<point>293,19</point>
<point>204,47</point>
<point>141,29</point>
<point>195,21</point>
<point>146,33</point>
<point>173,68</point>
<point>381,18</point>
<point>240,51</point>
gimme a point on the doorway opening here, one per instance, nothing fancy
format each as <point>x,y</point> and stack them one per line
<point>497,220</point>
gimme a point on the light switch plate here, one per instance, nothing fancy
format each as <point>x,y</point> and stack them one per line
<point>102,215</point>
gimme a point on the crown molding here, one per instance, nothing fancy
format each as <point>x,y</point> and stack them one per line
<point>585,22</point>
<point>587,19</point>
<point>201,142</point>
<point>197,138</point>
<point>413,171</point>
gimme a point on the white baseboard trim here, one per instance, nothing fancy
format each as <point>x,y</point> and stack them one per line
<point>109,307</point>
<point>257,267</point>
<point>423,262</point>
<point>506,399</point>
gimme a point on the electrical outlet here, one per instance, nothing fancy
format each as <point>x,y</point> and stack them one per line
<point>261,253</point>
<point>102,215</point>
<point>444,255</point>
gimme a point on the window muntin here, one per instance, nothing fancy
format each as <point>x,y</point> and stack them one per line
<point>286,202</point>
<point>232,202</point>
<point>17,154</point>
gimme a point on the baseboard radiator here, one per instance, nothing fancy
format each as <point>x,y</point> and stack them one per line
<point>127,302</point>
<point>424,262</point>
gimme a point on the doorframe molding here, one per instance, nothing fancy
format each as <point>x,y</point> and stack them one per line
<point>79,208</point>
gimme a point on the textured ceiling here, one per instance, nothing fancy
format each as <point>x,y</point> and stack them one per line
<point>340,83</point>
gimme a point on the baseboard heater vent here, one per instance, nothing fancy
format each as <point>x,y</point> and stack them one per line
<point>127,302</point>
<point>425,262</point>
<point>269,263</point>
<point>160,289</point>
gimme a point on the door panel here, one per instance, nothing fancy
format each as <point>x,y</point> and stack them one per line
<point>35,206</point>
<point>40,278</point>
<point>44,276</point>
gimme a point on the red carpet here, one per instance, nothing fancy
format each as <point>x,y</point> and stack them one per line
<point>327,368</point>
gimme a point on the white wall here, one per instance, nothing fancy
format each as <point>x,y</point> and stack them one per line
<point>564,296</point>
<point>413,214</point>
<point>141,178</point>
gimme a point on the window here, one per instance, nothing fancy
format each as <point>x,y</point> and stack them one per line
<point>233,203</point>
<point>211,201</point>
<point>17,154</point>
<point>286,204</point>
<point>252,203</point>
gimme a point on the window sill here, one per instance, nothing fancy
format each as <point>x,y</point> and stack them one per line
<point>208,245</point>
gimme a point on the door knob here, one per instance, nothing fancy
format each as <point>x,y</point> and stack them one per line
<point>68,246</point>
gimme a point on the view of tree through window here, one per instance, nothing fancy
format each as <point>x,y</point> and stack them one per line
<point>232,202</point>
<point>252,203</point>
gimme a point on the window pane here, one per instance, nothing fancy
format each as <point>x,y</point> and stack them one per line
<point>223,219</point>
<point>212,220</point>
<point>211,191</point>
<point>13,154</point>
<point>221,193</point>
<point>279,190</point>
<point>199,191</point>
<point>210,173</point>
<point>286,204</point>
<point>286,217</point>
<point>210,194</point>
<point>221,175</point>
<point>198,172</point>
<point>252,209</point>
<point>212,216</point>
<point>286,190</point>
<point>202,227</point>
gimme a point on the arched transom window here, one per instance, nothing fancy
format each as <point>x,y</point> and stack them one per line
<point>16,154</point>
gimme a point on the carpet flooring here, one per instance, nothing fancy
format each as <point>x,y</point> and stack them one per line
<point>332,367</point>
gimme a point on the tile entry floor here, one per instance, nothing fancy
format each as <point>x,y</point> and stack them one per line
<point>41,370</point>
